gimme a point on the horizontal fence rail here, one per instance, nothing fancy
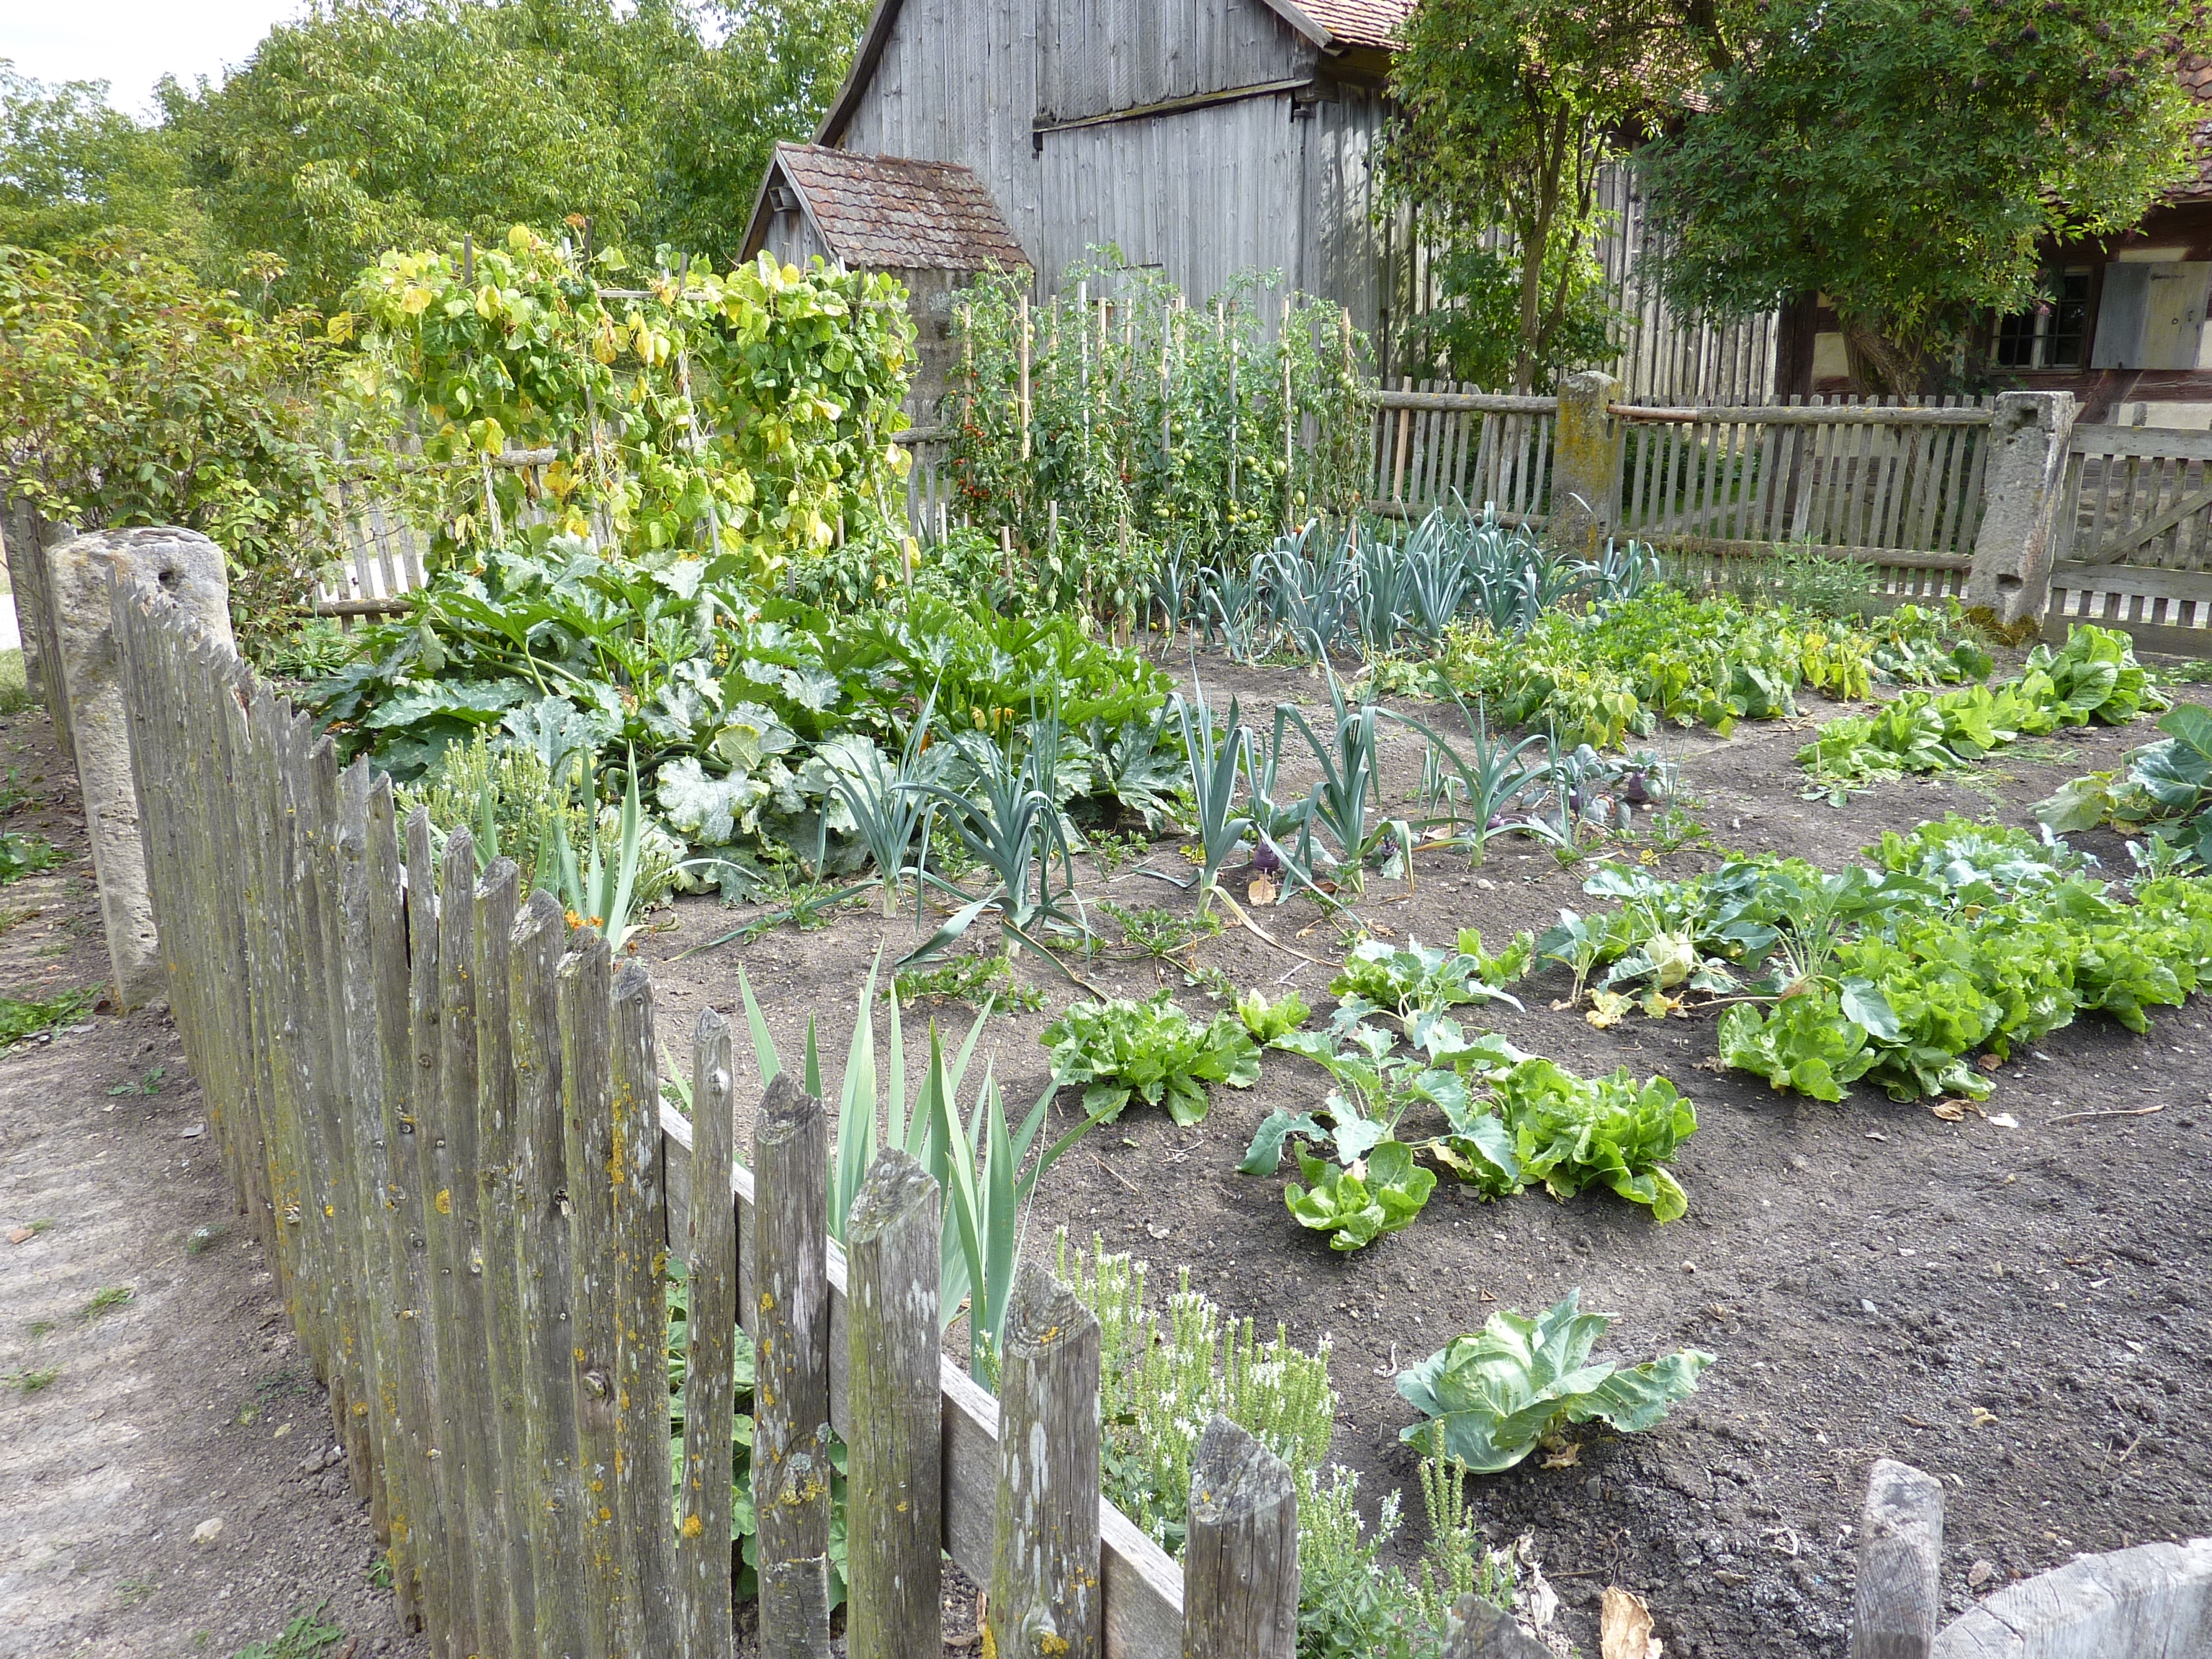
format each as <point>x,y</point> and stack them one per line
<point>2135,536</point>
<point>440,1105</point>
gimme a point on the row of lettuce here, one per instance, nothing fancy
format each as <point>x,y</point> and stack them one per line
<point>1959,945</point>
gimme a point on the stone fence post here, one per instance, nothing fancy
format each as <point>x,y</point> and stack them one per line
<point>188,568</point>
<point>27,534</point>
<point>1585,465</point>
<point>2023,480</point>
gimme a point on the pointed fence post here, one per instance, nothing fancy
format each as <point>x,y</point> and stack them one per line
<point>1045,1601</point>
<point>791,1397</point>
<point>703,1542</point>
<point>895,1487</point>
<point>1240,1562</point>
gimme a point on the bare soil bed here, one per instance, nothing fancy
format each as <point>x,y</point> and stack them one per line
<point>185,1403</point>
<point>2018,1309</point>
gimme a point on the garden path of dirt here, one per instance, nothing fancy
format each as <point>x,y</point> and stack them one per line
<point>2018,1309</point>
<point>191,1402</point>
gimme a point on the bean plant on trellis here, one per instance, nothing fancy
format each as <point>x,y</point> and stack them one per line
<point>681,419</point>
<point>1142,415</point>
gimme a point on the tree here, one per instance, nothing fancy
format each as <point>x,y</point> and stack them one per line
<point>137,395</point>
<point>1908,159</point>
<point>1510,108</point>
<point>364,126</point>
<point>70,165</point>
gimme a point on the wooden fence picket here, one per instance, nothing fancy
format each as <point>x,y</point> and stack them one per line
<point>702,1544</point>
<point>896,1450</point>
<point>545,1284</point>
<point>441,1105</point>
<point>586,1038</point>
<point>790,1360</point>
<point>1044,1551</point>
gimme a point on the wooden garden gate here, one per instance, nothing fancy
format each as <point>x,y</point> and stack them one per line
<point>2134,549</point>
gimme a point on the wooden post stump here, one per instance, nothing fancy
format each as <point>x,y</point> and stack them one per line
<point>1239,1564</point>
<point>1045,1602</point>
<point>1899,1599</point>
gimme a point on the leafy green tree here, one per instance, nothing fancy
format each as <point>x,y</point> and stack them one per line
<point>1907,159</point>
<point>1510,108</point>
<point>137,395</point>
<point>364,126</point>
<point>70,165</point>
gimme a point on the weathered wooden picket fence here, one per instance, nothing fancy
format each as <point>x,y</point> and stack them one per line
<point>1896,486</point>
<point>438,1103</point>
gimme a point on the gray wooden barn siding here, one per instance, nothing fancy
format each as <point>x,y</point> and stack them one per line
<point>957,83</point>
<point>1340,255</point>
<point>1099,56</point>
<point>791,240</point>
<point>1207,194</point>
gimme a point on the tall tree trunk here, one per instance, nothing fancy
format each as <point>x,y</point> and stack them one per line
<point>1884,366</point>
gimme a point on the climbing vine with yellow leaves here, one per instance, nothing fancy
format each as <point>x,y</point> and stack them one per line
<point>747,415</point>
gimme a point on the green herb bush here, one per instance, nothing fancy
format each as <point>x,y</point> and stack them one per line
<point>1163,1378</point>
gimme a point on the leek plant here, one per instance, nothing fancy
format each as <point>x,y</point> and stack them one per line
<point>1010,823</point>
<point>1490,775</point>
<point>1216,759</point>
<point>977,1163</point>
<point>1349,791</point>
<point>891,815</point>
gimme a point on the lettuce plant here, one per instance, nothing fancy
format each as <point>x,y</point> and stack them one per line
<point>1152,1050</point>
<point>1489,1399</point>
<point>1380,1194</point>
<point>1572,1132</point>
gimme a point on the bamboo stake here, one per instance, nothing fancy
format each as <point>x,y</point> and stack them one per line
<point>1025,375</point>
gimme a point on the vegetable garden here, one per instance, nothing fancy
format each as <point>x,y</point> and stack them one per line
<point>1419,938</point>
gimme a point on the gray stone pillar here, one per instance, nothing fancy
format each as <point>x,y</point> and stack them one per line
<point>188,568</point>
<point>1585,465</point>
<point>2022,481</point>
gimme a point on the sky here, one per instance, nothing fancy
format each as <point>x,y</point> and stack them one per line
<point>132,44</point>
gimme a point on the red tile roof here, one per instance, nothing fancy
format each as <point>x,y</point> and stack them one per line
<point>1358,23</point>
<point>886,212</point>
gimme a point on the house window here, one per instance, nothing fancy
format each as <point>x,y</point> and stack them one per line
<point>2050,336</point>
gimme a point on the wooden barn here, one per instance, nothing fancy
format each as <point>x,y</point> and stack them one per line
<point>1207,137</point>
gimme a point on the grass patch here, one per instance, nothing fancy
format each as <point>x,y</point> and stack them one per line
<point>22,1017</point>
<point>24,855</point>
<point>14,687</point>
<point>28,1382</point>
<point>304,1637</point>
<point>108,1300</point>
